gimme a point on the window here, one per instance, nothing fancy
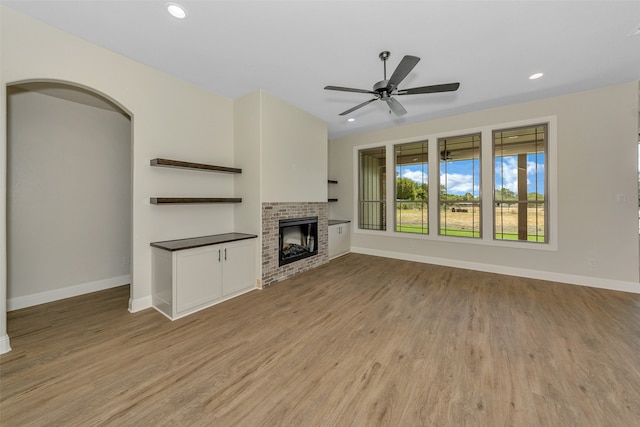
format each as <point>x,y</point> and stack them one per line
<point>515,162</point>
<point>372,189</point>
<point>412,188</point>
<point>459,197</point>
<point>520,184</point>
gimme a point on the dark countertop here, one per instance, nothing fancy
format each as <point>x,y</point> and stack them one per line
<point>338,221</point>
<point>196,242</point>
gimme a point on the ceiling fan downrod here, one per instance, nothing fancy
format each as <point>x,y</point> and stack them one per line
<point>383,57</point>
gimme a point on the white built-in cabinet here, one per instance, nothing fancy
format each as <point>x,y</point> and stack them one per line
<point>339,239</point>
<point>194,278</point>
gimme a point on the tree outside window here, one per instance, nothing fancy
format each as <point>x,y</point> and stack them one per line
<point>412,187</point>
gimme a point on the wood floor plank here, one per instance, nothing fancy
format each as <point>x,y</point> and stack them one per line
<point>361,341</point>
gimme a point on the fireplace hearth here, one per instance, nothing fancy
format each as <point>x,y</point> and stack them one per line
<point>298,239</point>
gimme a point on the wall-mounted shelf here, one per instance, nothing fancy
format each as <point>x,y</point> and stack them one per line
<point>193,166</point>
<point>332,181</point>
<point>193,200</point>
<point>167,163</point>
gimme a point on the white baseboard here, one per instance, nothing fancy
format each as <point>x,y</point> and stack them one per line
<point>572,279</point>
<point>67,292</point>
<point>140,304</point>
<point>4,344</point>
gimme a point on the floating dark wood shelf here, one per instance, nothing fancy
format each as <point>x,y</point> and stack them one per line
<point>192,200</point>
<point>194,166</point>
<point>333,181</point>
<point>333,200</point>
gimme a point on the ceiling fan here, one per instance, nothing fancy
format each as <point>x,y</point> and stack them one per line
<point>386,89</point>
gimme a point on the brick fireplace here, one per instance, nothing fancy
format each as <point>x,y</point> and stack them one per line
<point>272,213</point>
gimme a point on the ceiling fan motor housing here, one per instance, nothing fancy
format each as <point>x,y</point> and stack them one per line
<point>381,89</point>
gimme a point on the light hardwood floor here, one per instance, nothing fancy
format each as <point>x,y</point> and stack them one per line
<point>362,341</point>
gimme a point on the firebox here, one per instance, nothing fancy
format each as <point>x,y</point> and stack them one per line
<point>298,239</point>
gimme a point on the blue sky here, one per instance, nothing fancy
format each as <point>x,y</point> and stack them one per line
<point>460,179</point>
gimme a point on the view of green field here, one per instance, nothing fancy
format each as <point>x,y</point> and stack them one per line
<point>459,223</point>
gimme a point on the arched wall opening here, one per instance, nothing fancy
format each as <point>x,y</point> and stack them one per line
<point>69,192</point>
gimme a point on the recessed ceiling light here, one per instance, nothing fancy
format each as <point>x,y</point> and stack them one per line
<point>535,76</point>
<point>176,10</point>
<point>351,119</point>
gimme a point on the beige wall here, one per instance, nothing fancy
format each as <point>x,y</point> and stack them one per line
<point>596,161</point>
<point>69,197</point>
<point>170,118</point>
<point>294,153</point>
<point>248,154</point>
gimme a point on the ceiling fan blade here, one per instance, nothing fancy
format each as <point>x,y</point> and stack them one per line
<point>348,89</point>
<point>403,69</point>
<point>396,107</point>
<point>448,87</point>
<point>350,110</point>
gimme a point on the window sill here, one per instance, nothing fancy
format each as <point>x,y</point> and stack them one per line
<point>462,240</point>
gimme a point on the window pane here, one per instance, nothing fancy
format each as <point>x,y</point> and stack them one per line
<point>412,188</point>
<point>520,183</point>
<point>459,198</point>
<point>372,189</point>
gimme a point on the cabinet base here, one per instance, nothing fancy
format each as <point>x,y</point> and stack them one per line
<point>162,307</point>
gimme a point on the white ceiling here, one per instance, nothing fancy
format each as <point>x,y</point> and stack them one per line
<point>293,49</point>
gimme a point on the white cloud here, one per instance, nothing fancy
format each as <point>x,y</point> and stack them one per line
<point>507,173</point>
<point>458,183</point>
<point>531,169</point>
<point>417,176</point>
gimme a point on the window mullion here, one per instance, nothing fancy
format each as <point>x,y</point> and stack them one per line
<point>487,189</point>
<point>434,188</point>
<point>391,189</point>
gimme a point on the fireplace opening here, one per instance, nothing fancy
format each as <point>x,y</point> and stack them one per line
<point>298,239</point>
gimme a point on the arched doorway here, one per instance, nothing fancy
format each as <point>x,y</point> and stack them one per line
<point>68,192</point>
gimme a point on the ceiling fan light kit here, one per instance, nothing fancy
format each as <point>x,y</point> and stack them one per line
<point>384,90</point>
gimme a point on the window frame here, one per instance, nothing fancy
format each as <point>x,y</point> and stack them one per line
<point>480,179</point>
<point>423,153</point>
<point>546,181</point>
<point>383,189</point>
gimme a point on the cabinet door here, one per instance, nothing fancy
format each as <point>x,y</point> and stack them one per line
<point>198,276</point>
<point>239,267</point>
<point>344,242</point>
<point>339,239</point>
<point>334,236</point>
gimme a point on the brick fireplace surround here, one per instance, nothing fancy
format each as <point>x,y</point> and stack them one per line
<point>273,212</point>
